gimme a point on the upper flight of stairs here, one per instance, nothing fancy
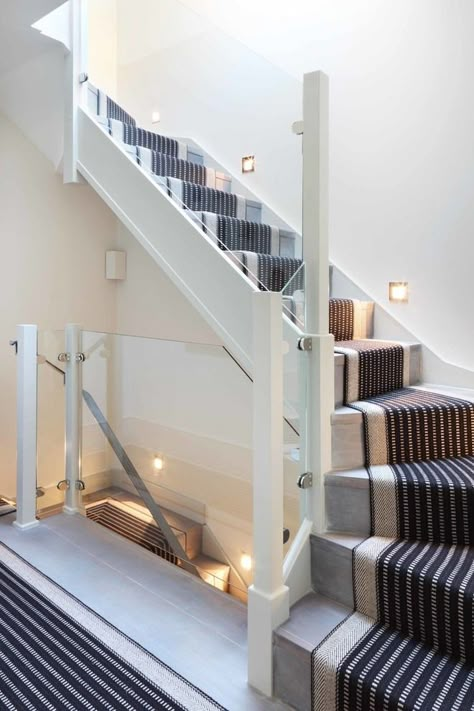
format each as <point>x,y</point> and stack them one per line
<point>217,243</point>
<point>262,251</point>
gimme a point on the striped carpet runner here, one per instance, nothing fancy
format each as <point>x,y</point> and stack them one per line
<point>410,425</point>
<point>234,234</point>
<point>271,273</point>
<point>169,166</point>
<point>341,319</point>
<point>425,501</point>
<point>410,643</point>
<point>369,667</point>
<point>57,654</point>
<point>373,367</point>
<point>118,518</point>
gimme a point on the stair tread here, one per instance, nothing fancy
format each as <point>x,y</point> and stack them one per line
<point>344,541</point>
<point>239,220</point>
<point>136,136</point>
<point>357,478</point>
<point>433,584</point>
<point>237,234</point>
<point>311,619</point>
<point>424,677</point>
<point>210,565</point>
<point>392,420</point>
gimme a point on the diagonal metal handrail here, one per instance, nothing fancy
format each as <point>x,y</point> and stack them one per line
<point>136,480</point>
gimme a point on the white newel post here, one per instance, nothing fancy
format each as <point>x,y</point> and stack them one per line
<point>73,416</point>
<point>268,601</point>
<point>316,257</point>
<point>27,420</point>
<point>75,84</point>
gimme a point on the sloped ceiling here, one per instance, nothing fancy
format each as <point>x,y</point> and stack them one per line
<point>18,42</point>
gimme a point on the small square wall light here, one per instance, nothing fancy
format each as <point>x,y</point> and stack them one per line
<point>398,291</point>
<point>158,463</point>
<point>246,561</point>
<point>155,117</point>
<point>248,164</point>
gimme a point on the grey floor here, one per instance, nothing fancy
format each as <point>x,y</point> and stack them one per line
<point>197,631</point>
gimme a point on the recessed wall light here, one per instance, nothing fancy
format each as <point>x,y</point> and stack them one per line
<point>248,164</point>
<point>246,561</point>
<point>155,117</point>
<point>398,291</point>
<point>158,463</point>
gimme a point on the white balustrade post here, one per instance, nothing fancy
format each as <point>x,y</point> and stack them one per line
<point>268,602</point>
<point>73,416</point>
<point>316,257</point>
<point>75,84</point>
<point>27,425</point>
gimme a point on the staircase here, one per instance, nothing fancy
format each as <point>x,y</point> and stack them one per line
<point>233,244</point>
<point>390,622</point>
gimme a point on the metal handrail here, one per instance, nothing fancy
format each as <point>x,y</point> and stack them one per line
<point>136,480</point>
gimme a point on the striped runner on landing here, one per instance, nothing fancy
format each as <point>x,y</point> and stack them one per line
<point>57,654</point>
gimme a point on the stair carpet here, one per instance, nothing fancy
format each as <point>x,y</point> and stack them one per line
<point>261,251</point>
<point>409,644</point>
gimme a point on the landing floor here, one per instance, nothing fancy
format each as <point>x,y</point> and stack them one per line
<point>197,631</point>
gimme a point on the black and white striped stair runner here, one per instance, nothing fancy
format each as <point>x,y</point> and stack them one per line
<point>116,517</point>
<point>57,654</point>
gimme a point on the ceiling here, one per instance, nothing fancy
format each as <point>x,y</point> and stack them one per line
<point>18,42</point>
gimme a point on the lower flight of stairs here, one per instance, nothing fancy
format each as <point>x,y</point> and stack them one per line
<point>390,621</point>
<point>125,515</point>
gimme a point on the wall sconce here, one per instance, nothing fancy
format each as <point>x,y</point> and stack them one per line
<point>246,561</point>
<point>158,463</point>
<point>398,291</point>
<point>248,164</point>
<point>155,117</point>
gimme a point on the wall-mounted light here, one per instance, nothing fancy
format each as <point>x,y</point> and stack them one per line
<point>158,463</point>
<point>248,164</point>
<point>398,291</point>
<point>155,117</point>
<point>246,561</point>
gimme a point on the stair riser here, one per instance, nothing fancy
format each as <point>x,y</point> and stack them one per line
<point>348,507</point>
<point>292,674</point>
<point>331,570</point>
<point>347,440</point>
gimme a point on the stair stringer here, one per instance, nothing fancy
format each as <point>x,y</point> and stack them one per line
<point>218,290</point>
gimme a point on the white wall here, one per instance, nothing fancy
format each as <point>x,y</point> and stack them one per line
<point>54,239</point>
<point>402,112</point>
<point>32,97</point>
<point>102,49</point>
